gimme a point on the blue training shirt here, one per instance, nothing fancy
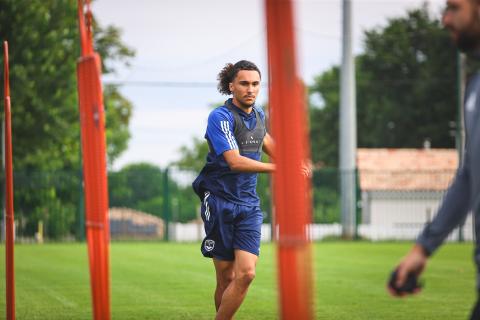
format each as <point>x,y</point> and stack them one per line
<point>216,176</point>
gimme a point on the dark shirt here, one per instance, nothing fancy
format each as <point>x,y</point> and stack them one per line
<point>216,176</point>
<point>463,195</point>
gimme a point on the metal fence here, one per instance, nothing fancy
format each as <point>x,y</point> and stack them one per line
<point>149,203</point>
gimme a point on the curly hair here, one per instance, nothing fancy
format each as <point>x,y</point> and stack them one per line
<point>230,71</point>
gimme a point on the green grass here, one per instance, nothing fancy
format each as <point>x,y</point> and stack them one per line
<point>173,281</point>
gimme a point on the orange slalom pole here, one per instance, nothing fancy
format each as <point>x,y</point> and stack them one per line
<point>92,117</point>
<point>9,223</point>
<point>92,121</point>
<point>82,28</point>
<point>292,190</point>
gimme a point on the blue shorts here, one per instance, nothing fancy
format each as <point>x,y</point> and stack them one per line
<point>229,226</point>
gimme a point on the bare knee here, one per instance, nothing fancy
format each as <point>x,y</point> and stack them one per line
<point>225,278</point>
<point>224,273</point>
<point>246,277</point>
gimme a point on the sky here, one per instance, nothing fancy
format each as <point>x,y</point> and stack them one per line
<point>181,45</point>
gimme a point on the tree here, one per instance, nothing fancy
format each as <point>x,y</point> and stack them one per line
<point>141,186</point>
<point>118,113</point>
<point>406,89</point>
<point>44,47</point>
<point>193,157</point>
<point>135,183</point>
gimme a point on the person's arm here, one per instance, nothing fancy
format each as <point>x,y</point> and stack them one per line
<point>268,145</point>
<point>220,134</point>
<point>414,262</point>
<point>237,162</point>
<point>452,212</point>
<point>269,149</point>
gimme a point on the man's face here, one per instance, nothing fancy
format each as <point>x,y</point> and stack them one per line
<point>462,19</point>
<point>245,88</point>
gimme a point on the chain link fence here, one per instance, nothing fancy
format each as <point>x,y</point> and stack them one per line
<point>148,203</point>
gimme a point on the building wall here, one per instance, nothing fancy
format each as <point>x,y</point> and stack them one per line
<point>401,215</point>
<point>193,232</point>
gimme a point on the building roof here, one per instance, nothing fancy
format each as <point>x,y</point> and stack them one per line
<point>136,217</point>
<point>406,169</point>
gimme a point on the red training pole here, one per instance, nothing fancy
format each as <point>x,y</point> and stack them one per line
<point>92,118</point>
<point>9,223</point>
<point>82,28</point>
<point>292,190</point>
<point>92,121</point>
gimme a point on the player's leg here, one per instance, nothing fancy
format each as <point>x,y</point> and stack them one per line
<point>248,224</point>
<point>244,273</point>
<point>217,243</point>
<point>476,309</point>
<point>225,274</point>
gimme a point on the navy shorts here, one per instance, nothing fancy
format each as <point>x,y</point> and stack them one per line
<point>229,226</point>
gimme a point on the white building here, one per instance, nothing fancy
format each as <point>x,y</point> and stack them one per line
<point>401,190</point>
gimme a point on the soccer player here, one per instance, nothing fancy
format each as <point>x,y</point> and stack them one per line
<point>236,135</point>
<point>462,19</point>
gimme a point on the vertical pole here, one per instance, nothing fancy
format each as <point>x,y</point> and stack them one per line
<point>81,207</point>
<point>4,191</point>
<point>292,190</point>
<point>10,222</point>
<point>166,205</point>
<point>82,28</point>
<point>81,197</point>
<point>92,123</point>
<point>460,134</point>
<point>348,128</point>
<point>95,181</point>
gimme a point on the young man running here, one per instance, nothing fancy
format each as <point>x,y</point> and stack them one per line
<point>236,135</point>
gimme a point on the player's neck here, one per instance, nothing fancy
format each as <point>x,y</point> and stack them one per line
<point>241,106</point>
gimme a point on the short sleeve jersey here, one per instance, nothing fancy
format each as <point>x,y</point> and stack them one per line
<point>216,177</point>
<point>221,126</point>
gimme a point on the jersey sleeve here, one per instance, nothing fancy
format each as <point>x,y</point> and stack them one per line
<point>452,211</point>
<point>263,118</point>
<point>220,131</point>
<point>261,113</point>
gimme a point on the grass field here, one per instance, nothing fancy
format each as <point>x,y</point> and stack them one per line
<point>172,281</point>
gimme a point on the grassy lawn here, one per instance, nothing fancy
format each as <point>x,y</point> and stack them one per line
<point>173,281</point>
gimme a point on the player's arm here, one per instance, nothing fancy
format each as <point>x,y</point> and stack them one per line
<point>237,162</point>
<point>413,263</point>
<point>268,145</point>
<point>269,148</point>
<point>452,212</point>
<point>220,135</point>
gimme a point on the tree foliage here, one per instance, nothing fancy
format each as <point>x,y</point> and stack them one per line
<point>406,89</point>
<point>193,157</point>
<point>44,48</point>
<point>135,183</point>
<point>406,86</point>
<point>141,186</point>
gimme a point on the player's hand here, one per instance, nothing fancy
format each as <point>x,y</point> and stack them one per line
<point>307,168</point>
<point>413,263</point>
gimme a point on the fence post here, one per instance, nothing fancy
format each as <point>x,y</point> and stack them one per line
<point>81,220</point>
<point>166,204</point>
<point>358,198</point>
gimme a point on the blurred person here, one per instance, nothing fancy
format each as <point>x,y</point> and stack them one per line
<point>236,135</point>
<point>462,19</point>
